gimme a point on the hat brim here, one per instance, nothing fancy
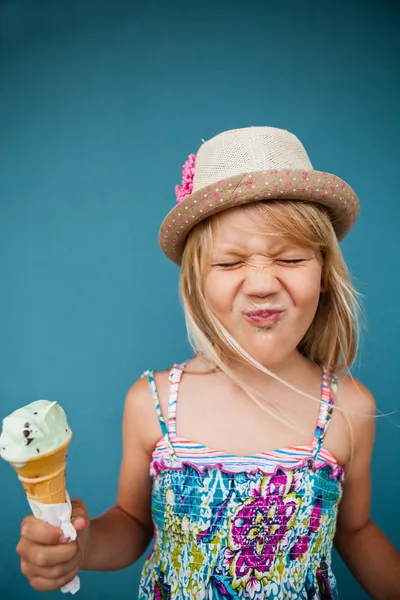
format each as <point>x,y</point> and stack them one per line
<point>309,186</point>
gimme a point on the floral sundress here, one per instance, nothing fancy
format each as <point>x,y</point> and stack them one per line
<point>251,527</point>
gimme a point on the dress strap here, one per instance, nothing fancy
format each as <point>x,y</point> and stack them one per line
<point>164,429</point>
<point>175,377</point>
<point>329,384</point>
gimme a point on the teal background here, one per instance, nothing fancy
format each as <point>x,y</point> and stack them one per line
<point>100,104</point>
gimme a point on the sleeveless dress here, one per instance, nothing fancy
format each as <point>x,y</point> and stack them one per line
<point>251,527</point>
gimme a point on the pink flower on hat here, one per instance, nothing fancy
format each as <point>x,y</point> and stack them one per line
<point>187,179</point>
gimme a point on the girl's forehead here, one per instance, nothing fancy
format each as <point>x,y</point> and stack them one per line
<point>234,221</point>
<point>239,225</point>
<point>241,230</point>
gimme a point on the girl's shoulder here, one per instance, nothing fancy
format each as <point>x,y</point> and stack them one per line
<point>353,396</point>
<point>160,383</point>
<point>141,406</point>
<point>358,411</point>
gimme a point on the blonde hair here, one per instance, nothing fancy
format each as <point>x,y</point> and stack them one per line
<point>332,337</point>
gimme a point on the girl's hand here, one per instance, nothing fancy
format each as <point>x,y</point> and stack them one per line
<point>47,560</point>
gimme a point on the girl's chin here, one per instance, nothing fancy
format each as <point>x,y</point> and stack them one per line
<point>269,352</point>
<point>270,346</point>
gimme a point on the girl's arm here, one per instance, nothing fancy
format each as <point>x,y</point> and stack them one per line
<point>368,553</point>
<point>117,538</point>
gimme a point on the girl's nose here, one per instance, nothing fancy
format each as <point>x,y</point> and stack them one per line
<point>261,279</point>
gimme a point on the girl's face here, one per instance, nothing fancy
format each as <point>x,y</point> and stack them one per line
<point>263,288</point>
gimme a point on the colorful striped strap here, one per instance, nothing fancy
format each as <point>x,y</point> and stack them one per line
<point>154,392</point>
<point>329,382</point>
<point>175,377</point>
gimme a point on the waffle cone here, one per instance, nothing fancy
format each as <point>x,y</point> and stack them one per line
<point>43,478</point>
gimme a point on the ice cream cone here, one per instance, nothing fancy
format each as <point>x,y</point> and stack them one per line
<point>43,477</point>
<point>34,441</point>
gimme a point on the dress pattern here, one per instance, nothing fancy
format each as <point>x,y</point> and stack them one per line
<point>254,527</point>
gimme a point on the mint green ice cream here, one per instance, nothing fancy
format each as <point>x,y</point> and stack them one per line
<point>33,430</point>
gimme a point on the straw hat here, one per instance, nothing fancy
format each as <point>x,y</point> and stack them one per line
<point>248,165</point>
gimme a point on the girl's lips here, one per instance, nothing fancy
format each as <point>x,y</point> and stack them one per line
<point>264,317</point>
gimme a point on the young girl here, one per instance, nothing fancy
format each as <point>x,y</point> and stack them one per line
<point>255,455</point>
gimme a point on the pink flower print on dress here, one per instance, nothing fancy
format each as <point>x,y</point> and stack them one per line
<point>254,589</point>
<point>258,526</point>
<point>315,518</point>
<point>299,548</point>
<point>187,179</point>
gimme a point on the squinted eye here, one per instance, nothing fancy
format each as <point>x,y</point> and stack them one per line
<point>230,265</point>
<point>294,261</point>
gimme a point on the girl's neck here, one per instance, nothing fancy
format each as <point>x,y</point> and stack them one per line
<point>295,369</point>
<point>289,370</point>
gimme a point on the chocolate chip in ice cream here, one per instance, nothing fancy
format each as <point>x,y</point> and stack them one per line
<point>37,450</point>
<point>26,432</point>
<point>26,425</point>
<point>28,441</point>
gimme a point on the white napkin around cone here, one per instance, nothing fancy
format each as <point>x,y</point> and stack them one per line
<point>58,515</point>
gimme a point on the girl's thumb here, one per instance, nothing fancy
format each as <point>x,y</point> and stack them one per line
<point>80,516</point>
